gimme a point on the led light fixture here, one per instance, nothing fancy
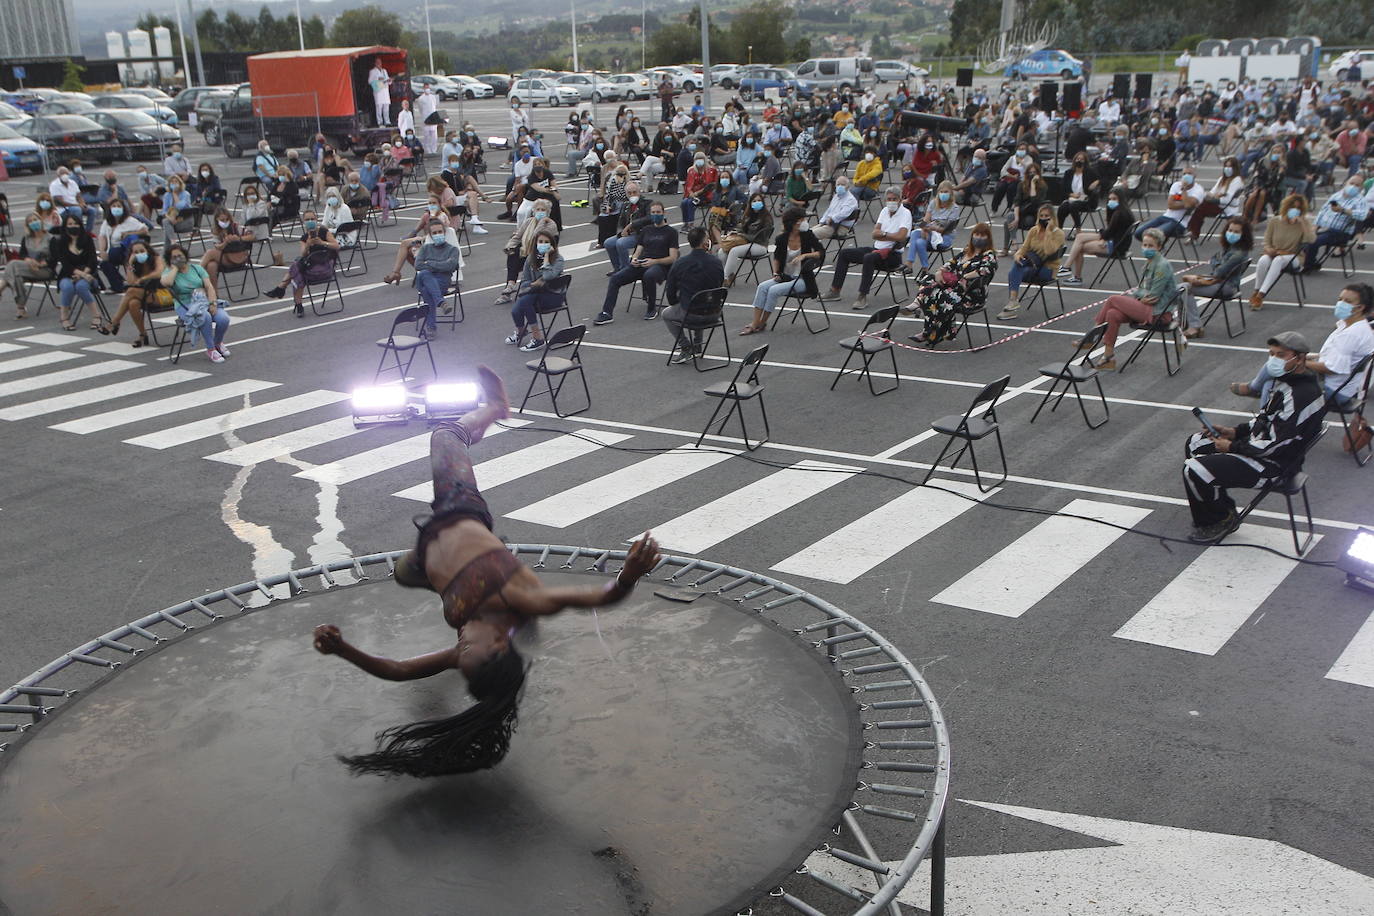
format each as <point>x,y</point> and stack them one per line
<point>380,405</point>
<point>450,399</point>
<point>1357,560</point>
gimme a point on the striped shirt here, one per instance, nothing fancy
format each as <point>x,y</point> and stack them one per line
<point>1292,416</point>
<point>1347,220</point>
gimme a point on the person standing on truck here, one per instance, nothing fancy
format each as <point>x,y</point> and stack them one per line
<point>379,81</point>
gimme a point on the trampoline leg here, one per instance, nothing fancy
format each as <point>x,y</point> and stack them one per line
<point>937,867</point>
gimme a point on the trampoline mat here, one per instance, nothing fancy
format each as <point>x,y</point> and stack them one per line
<point>681,766</point>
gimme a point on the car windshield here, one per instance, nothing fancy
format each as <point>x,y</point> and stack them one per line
<point>9,111</point>
<point>7,133</point>
<point>131,118</point>
<point>68,123</point>
<point>133,101</point>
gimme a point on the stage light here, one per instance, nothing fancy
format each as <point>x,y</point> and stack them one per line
<point>1357,560</point>
<point>381,404</point>
<point>450,399</point>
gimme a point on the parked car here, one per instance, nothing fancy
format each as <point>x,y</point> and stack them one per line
<point>757,82</point>
<point>896,71</point>
<point>842,73</point>
<point>19,152</point>
<point>534,91</point>
<point>726,76</point>
<point>207,113</point>
<point>187,99</point>
<point>628,87</point>
<point>588,86</point>
<point>157,95</point>
<point>65,106</point>
<point>499,82</point>
<point>472,87</point>
<point>71,136</point>
<point>1340,67</point>
<point>1045,62</point>
<point>684,79</point>
<point>138,103</point>
<point>10,116</point>
<point>26,102</point>
<point>444,87</point>
<point>536,73</point>
<point>46,94</point>
<point>139,134</point>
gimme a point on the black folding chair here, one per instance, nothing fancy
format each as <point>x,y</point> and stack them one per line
<point>244,184</point>
<point>1292,483</point>
<point>549,367</point>
<point>885,278</point>
<point>1077,370</point>
<point>1351,412</point>
<point>801,297</point>
<point>1040,289</point>
<point>261,227</point>
<point>737,391</point>
<point>548,314</point>
<point>1171,241</point>
<point>351,236</point>
<point>1121,257</point>
<point>1228,291</point>
<point>458,218</point>
<point>451,312</point>
<point>970,429</point>
<point>875,338</point>
<point>1170,332</point>
<point>246,267</point>
<point>404,337</point>
<point>1344,254</point>
<point>317,258</point>
<point>703,315</point>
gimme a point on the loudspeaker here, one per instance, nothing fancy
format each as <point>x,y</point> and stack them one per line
<point>1121,86</point>
<point>934,123</point>
<point>1049,95</point>
<point>1073,97</point>
<point>963,76</point>
<point>1144,83</point>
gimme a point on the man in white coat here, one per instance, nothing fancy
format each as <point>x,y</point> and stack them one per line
<point>427,104</point>
<point>379,81</point>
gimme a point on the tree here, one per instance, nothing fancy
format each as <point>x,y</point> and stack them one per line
<point>149,21</point>
<point>761,24</point>
<point>367,25</point>
<point>972,22</point>
<point>72,76</point>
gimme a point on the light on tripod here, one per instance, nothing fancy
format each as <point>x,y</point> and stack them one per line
<point>450,399</point>
<point>380,404</point>
<point>1357,560</point>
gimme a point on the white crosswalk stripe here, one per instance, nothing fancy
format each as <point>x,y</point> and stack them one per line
<point>384,458</point>
<point>34,360</point>
<point>51,339</point>
<point>125,415</point>
<point>751,505</point>
<point>526,461</point>
<point>65,376</point>
<point>11,347</point>
<point>287,443</point>
<point>858,547</point>
<point>585,500</point>
<point>1356,664</point>
<point>259,413</point>
<point>1203,607</point>
<point>1019,576</point>
<point>97,395</point>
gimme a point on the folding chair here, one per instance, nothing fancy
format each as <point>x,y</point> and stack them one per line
<point>844,237</point>
<point>1170,331</point>
<point>1228,290</point>
<point>801,297</point>
<point>395,184</point>
<point>978,201</point>
<point>1121,257</point>
<point>886,275</point>
<point>975,303</point>
<point>1351,412</point>
<point>245,183</point>
<point>153,316</point>
<point>1077,370</point>
<point>704,314</point>
<point>1040,294</point>
<point>458,216</point>
<point>409,340</point>
<point>350,238</point>
<point>1171,240</point>
<point>247,268</point>
<point>868,347</point>
<point>49,294</point>
<point>549,367</point>
<point>451,313</point>
<point>1345,255</point>
<point>971,429</point>
<point>1292,484</point>
<point>548,315</point>
<point>753,261</point>
<point>261,227</point>
<point>318,257</point>
<point>1294,269</point>
<point>737,392</point>
<point>186,230</point>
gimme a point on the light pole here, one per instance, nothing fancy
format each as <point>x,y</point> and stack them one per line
<point>429,37</point>
<point>300,26</point>
<point>643,36</point>
<point>181,33</point>
<point>572,5</point>
<point>751,54</point>
<point>195,41</point>
<point>705,59</point>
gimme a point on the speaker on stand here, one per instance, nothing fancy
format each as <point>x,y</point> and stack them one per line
<point>1073,99</point>
<point>1121,88</point>
<point>963,78</point>
<point>1144,85</point>
<point>1049,96</point>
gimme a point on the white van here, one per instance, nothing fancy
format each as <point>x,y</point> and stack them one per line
<point>837,72</point>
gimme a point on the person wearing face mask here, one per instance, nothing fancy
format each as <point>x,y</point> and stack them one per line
<point>32,265</point>
<point>405,120</point>
<point>728,209</point>
<point>1036,259</point>
<point>868,175</point>
<point>1270,445</point>
<point>1223,199</point>
<point>1082,185</point>
<point>542,268</point>
<point>433,214</point>
<point>960,285</point>
<point>1299,175</point>
<point>890,234</point>
<point>265,164</point>
<point>111,189</point>
<point>64,192</point>
<point>798,190</point>
<point>700,188</point>
<point>1120,219</point>
<point>143,289</point>
<point>519,117</point>
<point>541,185</point>
<point>746,157</point>
<point>1185,196</point>
<point>176,163</point>
<point>307,269</point>
<point>334,213</point>
<point>1337,222</point>
<point>1350,342</point>
<point>193,295</point>
<point>73,259</point>
<point>969,189</point>
<point>1150,301</point>
<point>1266,186</point>
<point>175,214</point>
<point>118,230</point>
<point>749,239</point>
<point>614,197</point>
<point>1013,170</point>
<point>656,249</point>
<point>840,215</point>
<point>936,231</point>
<point>633,216</point>
<point>151,187</point>
<point>225,232</point>
<point>1220,276</point>
<point>206,190</point>
<point>927,160</point>
<point>435,265</point>
<point>515,184</point>
<point>427,109</point>
<point>694,273</point>
<point>797,254</point>
<point>1031,192</point>
<point>520,246</point>
<point>1284,238</point>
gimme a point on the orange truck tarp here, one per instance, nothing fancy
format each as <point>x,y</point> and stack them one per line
<point>287,84</point>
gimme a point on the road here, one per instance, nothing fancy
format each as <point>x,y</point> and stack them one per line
<point>1082,669</point>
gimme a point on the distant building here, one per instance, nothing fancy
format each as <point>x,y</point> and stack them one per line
<point>37,29</point>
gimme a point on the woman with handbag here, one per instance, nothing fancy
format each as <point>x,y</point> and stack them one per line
<point>225,230</point>
<point>966,275</point>
<point>937,228</point>
<point>33,263</point>
<point>143,291</point>
<point>1036,259</point>
<point>543,266</point>
<point>749,239</point>
<point>1120,220</point>
<point>194,298</point>
<point>796,255</point>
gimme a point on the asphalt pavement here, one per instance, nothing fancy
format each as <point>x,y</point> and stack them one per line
<point>1082,669</point>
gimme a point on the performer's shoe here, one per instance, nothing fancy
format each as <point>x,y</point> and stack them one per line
<point>408,572</point>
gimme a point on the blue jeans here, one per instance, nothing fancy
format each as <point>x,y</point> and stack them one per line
<point>919,247</point>
<point>689,210</point>
<point>432,287</point>
<point>618,250</point>
<point>771,292</point>
<point>71,289</point>
<point>649,279</point>
<point>1166,224</point>
<point>525,312</point>
<point>218,321</point>
<point>1018,275</point>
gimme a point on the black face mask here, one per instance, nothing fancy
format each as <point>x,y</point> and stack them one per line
<point>1043,223</point>
<point>111,181</point>
<point>73,230</point>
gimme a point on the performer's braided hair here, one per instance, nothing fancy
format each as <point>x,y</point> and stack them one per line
<point>475,739</point>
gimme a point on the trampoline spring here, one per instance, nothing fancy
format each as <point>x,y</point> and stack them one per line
<point>271,595</point>
<point>904,723</point>
<point>718,571</point>
<point>117,646</point>
<point>7,727</point>
<point>837,887</point>
<point>751,595</point>
<point>695,564</point>
<point>779,602</point>
<point>357,571</point>
<point>906,745</point>
<point>887,685</point>
<point>328,579</point>
<point>897,704</point>
<point>146,634</point>
<point>738,582</point>
<point>876,669</point>
<point>296,587</point>
<point>37,691</point>
<point>894,814</point>
<point>233,598</point>
<point>572,558</point>
<point>195,603</point>
<point>860,653</point>
<point>391,564</point>
<point>599,564</point>
<point>662,562</point>
<point>543,556</point>
<point>907,791</point>
<point>19,709</point>
<point>175,621</point>
<point>91,660</point>
<point>890,766</point>
<point>877,868</point>
<point>801,906</point>
<point>843,637</point>
<point>822,625</point>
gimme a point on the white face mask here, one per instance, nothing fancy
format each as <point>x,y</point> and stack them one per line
<point>892,206</point>
<point>804,226</point>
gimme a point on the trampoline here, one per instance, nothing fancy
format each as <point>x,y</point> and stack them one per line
<point>680,754</point>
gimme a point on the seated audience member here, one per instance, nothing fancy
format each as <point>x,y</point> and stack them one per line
<point>224,230</point>
<point>1337,222</point>
<point>1224,198</point>
<point>1284,238</point>
<point>196,303</point>
<point>117,232</point>
<point>436,263</point>
<point>750,239</point>
<point>1120,219</point>
<point>314,237</point>
<point>1152,298</point>
<point>1082,185</point>
<point>695,272</point>
<point>1036,260</point>
<point>840,215</point>
<point>542,267</point>
<point>962,283</point>
<point>1219,272</point>
<point>143,291</point>
<point>796,255</point>
<point>1184,197</point>
<point>890,234</point>
<point>656,248</point>
<point>936,231</point>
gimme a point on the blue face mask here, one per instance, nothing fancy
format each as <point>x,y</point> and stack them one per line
<point>311,224</point>
<point>542,247</point>
<point>141,257</point>
<point>1293,213</point>
<point>1149,252</point>
<point>657,218</point>
<point>1274,366</point>
<point>944,198</point>
<point>1344,310</point>
<point>1113,204</point>
<point>1232,238</point>
<point>756,205</point>
<point>116,212</point>
<point>438,239</point>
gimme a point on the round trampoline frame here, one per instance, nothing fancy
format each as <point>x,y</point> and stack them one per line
<point>912,754</point>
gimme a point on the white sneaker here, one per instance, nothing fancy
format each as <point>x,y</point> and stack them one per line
<point>514,339</point>
<point>215,356</point>
<point>860,304</point>
<point>223,350</point>
<point>477,228</point>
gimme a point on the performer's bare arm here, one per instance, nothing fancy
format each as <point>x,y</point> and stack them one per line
<point>542,601</point>
<point>329,641</point>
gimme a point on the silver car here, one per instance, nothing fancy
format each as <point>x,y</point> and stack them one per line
<point>536,92</point>
<point>589,86</point>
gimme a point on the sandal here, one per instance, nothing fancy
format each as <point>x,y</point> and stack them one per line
<point>69,325</point>
<point>749,329</point>
<point>142,341</point>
